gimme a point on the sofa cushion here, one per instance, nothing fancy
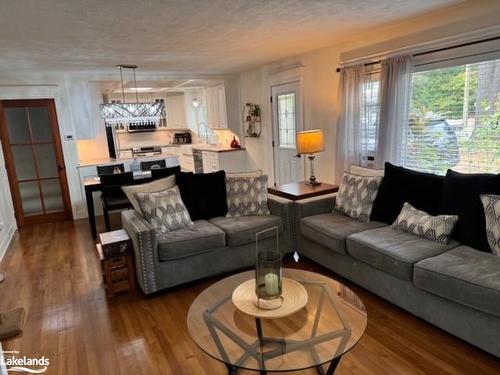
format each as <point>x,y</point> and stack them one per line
<point>204,194</point>
<point>331,229</point>
<point>356,195</point>
<point>491,205</point>
<point>463,275</point>
<point>246,196</point>
<point>392,251</point>
<point>195,239</point>
<point>461,197</point>
<point>435,228</point>
<point>150,187</point>
<point>422,190</point>
<point>241,230</point>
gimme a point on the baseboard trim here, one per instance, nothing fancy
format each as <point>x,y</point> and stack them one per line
<point>4,244</point>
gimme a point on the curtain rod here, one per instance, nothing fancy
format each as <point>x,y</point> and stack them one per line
<point>439,49</point>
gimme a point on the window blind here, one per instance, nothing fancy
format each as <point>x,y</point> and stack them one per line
<point>454,119</point>
<point>369,116</point>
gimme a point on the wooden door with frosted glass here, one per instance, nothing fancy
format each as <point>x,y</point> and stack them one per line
<point>34,159</point>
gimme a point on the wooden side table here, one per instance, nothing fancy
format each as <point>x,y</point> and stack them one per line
<point>296,191</point>
<point>118,272</point>
<point>299,190</point>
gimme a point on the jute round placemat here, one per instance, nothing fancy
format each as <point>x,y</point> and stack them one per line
<point>294,298</point>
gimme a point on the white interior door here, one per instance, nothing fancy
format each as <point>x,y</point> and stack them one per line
<point>287,121</point>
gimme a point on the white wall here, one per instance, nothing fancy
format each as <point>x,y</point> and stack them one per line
<point>7,219</point>
<point>321,80</point>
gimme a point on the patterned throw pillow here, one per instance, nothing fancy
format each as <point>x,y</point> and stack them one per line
<point>165,210</point>
<point>491,205</point>
<point>435,228</point>
<point>356,195</point>
<point>246,196</point>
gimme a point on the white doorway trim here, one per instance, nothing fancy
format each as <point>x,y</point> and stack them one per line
<point>291,75</point>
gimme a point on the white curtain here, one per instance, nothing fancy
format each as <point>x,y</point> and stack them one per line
<point>348,147</point>
<point>395,92</point>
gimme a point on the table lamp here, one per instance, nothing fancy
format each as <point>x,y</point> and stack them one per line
<point>310,142</point>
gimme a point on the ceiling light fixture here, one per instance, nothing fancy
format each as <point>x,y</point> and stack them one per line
<point>140,88</point>
<point>138,113</point>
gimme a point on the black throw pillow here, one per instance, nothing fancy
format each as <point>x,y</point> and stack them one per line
<point>204,194</point>
<point>399,185</point>
<point>461,197</point>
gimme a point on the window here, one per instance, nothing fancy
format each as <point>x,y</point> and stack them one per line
<point>454,119</point>
<point>286,120</point>
<point>369,119</point>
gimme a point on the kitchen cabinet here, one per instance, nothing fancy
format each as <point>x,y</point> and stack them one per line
<point>231,161</point>
<point>216,107</point>
<point>176,113</point>
<point>223,106</point>
<point>84,99</point>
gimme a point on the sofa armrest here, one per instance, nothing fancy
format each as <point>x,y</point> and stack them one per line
<point>144,241</point>
<point>315,206</point>
<point>284,208</point>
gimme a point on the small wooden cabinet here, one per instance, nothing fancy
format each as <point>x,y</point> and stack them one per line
<point>117,272</point>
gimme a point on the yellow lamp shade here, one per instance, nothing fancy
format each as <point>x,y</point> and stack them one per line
<point>310,141</point>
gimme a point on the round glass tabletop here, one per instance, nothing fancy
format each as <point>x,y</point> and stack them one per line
<point>331,323</point>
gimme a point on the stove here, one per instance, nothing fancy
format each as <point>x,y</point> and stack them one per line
<point>146,151</point>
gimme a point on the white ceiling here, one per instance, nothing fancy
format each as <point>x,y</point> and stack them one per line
<point>183,36</point>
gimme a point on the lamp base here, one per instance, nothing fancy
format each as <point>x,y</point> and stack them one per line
<point>312,182</point>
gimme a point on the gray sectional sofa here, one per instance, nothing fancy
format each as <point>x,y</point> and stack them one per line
<point>205,249</point>
<point>453,286</point>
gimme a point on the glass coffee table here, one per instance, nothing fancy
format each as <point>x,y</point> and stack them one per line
<point>331,323</point>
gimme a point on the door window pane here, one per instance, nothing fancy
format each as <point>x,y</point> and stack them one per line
<point>286,120</point>
<point>25,165</point>
<point>52,197</point>
<point>46,160</point>
<point>40,124</point>
<point>30,197</point>
<point>17,125</point>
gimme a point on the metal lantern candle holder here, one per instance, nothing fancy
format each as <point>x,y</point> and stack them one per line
<point>268,274</point>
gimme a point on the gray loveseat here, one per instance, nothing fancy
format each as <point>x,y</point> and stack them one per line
<point>453,286</point>
<point>205,249</point>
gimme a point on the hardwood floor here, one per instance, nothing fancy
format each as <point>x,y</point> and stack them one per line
<point>53,272</point>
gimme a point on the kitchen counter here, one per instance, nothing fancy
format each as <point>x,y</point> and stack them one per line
<point>106,161</point>
<point>173,153</point>
<point>217,148</point>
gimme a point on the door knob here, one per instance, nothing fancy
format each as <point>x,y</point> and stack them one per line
<point>60,167</point>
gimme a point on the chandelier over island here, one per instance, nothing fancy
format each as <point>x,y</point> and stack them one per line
<point>139,113</point>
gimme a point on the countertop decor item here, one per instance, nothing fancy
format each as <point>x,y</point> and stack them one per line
<point>252,120</point>
<point>311,142</point>
<point>139,114</point>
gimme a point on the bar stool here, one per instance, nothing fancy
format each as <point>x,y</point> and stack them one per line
<point>112,197</point>
<point>152,164</point>
<point>109,169</point>
<point>157,173</point>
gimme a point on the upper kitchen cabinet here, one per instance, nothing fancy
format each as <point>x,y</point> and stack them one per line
<point>84,98</point>
<point>176,113</point>
<point>222,103</point>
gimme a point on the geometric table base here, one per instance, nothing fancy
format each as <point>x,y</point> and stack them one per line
<point>266,348</point>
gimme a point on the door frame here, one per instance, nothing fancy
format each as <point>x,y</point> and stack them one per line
<point>49,103</point>
<point>282,78</point>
